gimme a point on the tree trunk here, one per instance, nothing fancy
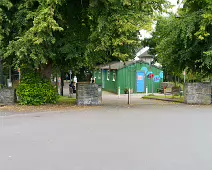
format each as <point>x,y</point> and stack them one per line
<point>62,83</point>
<point>1,72</point>
<point>47,70</point>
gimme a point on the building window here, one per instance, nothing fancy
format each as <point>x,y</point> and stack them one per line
<point>114,76</point>
<point>100,74</point>
<point>108,74</point>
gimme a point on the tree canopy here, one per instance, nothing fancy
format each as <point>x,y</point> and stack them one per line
<point>79,33</point>
<point>183,40</point>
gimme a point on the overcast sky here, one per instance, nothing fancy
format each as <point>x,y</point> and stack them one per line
<point>174,2</point>
<point>146,34</point>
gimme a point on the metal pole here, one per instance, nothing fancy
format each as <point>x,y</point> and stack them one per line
<point>70,76</point>
<point>184,79</point>
<point>19,74</point>
<point>184,74</point>
<point>61,84</point>
<point>10,73</point>
<point>1,73</point>
<point>129,96</point>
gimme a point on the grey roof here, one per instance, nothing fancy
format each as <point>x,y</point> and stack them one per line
<point>119,65</point>
<point>145,55</point>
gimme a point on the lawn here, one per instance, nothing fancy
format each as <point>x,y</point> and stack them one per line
<point>66,100</point>
<point>163,97</point>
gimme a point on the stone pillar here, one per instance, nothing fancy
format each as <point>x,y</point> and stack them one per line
<point>198,93</point>
<point>88,94</point>
<point>7,96</point>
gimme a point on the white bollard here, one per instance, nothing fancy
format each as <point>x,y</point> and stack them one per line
<point>129,96</point>
<point>119,91</point>
<point>146,90</point>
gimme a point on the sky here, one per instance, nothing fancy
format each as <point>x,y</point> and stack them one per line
<point>174,2</point>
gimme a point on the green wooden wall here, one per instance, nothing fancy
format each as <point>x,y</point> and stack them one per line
<point>126,78</point>
<point>98,75</point>
<point>110,84</point>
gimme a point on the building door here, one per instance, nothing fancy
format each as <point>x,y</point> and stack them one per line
<point>140,82</point>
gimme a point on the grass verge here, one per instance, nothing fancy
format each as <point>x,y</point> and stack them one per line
<point>64,104</point>
<point>66,100</point>
<point>166,98</point>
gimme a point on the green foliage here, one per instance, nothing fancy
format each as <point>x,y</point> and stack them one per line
<point>34,90</point>
<point>5,5</point>
<point>66,32</point>
<point>115,27</point>
<point>182,41</point>
<point>32,26</point>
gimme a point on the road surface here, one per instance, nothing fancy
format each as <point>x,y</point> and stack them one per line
<point>147,136</point>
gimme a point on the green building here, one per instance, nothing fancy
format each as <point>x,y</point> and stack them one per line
<point>136,75</point>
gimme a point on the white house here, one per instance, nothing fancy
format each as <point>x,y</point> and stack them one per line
<point>144,55</point>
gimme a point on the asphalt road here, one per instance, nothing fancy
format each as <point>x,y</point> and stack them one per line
<point>146,136</point>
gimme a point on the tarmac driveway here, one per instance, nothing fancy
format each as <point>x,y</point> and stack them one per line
<point>146,136</point>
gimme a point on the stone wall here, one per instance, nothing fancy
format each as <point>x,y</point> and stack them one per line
<point>198,93</point>
<point>7,96</point>
<point>88,94</point>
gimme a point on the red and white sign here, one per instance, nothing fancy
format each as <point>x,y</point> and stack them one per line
<point>140,77</point>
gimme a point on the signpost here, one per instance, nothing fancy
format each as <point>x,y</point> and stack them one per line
<point>184,73</point>
<point>1,72</point>
<point>152,78</point>
<point>70,75</point>
<point>19,75</point>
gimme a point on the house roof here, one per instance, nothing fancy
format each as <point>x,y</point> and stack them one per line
<point>120,65</point>
<point>144,53</point>
<point>117,65</point>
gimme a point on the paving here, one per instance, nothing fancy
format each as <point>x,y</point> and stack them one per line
<point>146,135</point>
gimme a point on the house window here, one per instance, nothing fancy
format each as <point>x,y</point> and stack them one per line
<point>114,76</point>
<point>100,74</point>
<point>108,74</point>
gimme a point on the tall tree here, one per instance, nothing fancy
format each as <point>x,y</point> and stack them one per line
<point>5,6</point>
<point>81,33</point>
<point>115,26</point>
<point>183,41</point>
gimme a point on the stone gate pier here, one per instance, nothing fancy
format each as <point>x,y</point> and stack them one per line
<point>7,96</point>
<point>88,94</point>
<point>198,93</point>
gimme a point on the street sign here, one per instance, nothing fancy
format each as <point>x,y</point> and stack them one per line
<point>184,73</point>
<point>151,76</point>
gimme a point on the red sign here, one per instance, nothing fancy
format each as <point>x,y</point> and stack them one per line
<point>184,73</point>
<point>151,76</point>
<point>140,77</point>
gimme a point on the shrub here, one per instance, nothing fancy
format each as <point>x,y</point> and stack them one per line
<point>126,91</point>
<point>35,90</point>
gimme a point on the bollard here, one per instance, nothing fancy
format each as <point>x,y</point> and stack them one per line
<point>119,92</point>
<point>129,96</point>
<point>146,91</point>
